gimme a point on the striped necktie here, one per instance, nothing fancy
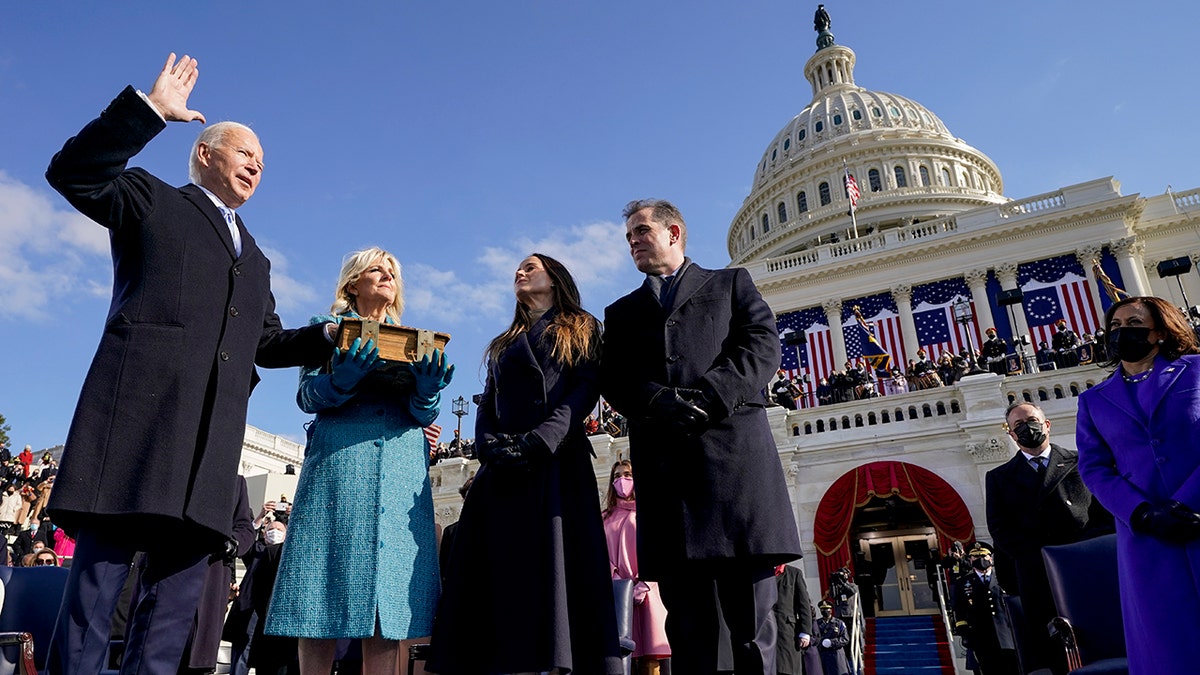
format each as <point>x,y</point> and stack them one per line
<point>231,221</point>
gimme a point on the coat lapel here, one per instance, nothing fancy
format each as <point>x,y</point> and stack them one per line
<point>201,201</point>
<point>1171,370</point>
<point>1113,391</point>
<point>1058,469</point>
<point>694,277</point>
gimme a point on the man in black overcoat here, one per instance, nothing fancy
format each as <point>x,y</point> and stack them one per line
<point>981,619</point>
<point>157,433</point>
<point>686,359</point>
<point>1029,507</point>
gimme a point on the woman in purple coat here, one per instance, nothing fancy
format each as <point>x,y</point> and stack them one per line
<point>1139,453</point>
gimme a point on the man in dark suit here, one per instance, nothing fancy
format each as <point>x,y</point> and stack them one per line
<point>157,433</point>
<point>1038,499</point>
<point>687,358</point>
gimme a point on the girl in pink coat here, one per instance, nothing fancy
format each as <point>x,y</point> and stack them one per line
<point>620,529</point>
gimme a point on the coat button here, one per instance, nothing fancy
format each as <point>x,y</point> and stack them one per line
<point>224,356</point>
<point>537,401</point>
<point>379,444</point>
<point>233,311</point>
<point>672,358</point>
<point>237,271</point>
<point>382,510</point>
<point>1160,460</point>
<point>671,322</point>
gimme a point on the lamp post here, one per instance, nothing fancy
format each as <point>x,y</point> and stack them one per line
<point>964,315</point>
<point>460,407</point>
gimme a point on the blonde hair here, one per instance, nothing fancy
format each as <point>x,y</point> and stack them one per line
<point>353,267</point>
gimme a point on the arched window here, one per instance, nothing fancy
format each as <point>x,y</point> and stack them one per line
<point>945,177</point>
<point>873,180</point>
<point>787,143</point>
<point>782,212</point>
<point>924,176</point>
<point>823,189</point>
<point>837,119</point>
<point>801,201</point>
<point>856,114</point>
<point>900,180</point>
<point>766,223</point>
<point>819,126</point>
<point>803,133</point>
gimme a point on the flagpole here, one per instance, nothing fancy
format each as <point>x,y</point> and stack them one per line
<point>846,185</point>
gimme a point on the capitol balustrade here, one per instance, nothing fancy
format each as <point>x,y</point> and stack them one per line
<point>974,399</point>
<point>897,238</point>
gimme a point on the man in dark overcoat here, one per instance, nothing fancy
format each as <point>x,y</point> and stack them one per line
<point>1038,499</point>
<point>687,358</point>
<point>157,433</point>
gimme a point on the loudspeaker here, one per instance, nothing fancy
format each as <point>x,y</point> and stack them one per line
<point>1006,298</point>
<point>1174,267</point>
<point>795,338</point>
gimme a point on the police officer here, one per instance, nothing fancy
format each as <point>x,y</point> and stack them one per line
<point>981,620</point>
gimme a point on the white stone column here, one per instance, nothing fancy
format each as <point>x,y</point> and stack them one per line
<point>977,283</point>
<point>1086,256</point>
<point>1129,252</point>
<point>1007,274</point>
<point>902,294</point>
<point>833,317</point>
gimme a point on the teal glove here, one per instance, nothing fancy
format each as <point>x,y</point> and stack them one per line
<point>351,366</point>
<point>432,375</point>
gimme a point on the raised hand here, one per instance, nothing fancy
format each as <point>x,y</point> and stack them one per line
<point>172,88</point>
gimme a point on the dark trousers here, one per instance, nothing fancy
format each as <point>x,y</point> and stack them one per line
<point>721,618</point>
<point>160,622</point>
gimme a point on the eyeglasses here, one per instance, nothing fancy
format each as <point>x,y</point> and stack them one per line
<point>44,561</point>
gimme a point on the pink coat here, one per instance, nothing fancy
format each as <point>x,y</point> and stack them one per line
<point>649,613</point>
<point>64,546</point>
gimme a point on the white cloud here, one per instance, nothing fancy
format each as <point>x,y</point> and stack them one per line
<point>52,253</point>
<point>594,253</point>
<point>290,293</point>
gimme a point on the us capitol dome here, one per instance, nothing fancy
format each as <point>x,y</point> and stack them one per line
<point>908,166</point>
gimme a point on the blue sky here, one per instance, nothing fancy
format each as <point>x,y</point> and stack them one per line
<point>464,135</point>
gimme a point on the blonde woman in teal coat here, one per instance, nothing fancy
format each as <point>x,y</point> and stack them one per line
<point>360,560</point>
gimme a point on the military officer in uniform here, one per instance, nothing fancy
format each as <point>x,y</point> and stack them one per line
<point>981,620</point>
<point>832,637</point>
<point>993,352</point>
<point>1065,342</point>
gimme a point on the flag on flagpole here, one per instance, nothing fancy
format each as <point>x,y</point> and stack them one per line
<point>870,348</point>
<point>851,188</point>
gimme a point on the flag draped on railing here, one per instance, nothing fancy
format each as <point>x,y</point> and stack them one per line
<point>433,432</point>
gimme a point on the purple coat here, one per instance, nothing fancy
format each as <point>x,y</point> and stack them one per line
<point>1127,457</point>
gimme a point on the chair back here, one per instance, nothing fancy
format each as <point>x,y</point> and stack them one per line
<point>32,596</point>
<point>1083,581</point>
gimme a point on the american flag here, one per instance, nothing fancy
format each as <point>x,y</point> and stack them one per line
<point>433,432</point>
<point>880,311</point>
<point>1056,288</point>
<point>815,356</point>
<point>851,189</point>
<point>933,314</point>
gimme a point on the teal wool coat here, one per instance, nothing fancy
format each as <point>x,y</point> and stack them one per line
<point>361,538</point>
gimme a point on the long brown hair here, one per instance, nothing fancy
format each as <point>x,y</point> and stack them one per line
<point>1178,336</point>
<point>573,334</point>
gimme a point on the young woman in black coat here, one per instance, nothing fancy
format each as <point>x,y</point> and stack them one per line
<point>528,588</point>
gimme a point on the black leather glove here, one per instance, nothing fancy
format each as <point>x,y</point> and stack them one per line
<point>678,409</point>
<point>515,451</point>
<point>1170,521</point>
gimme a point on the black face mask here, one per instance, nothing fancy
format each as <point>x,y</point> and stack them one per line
<point>1130,343</point>
<point>982,564</point>
<point>1031,434</point>
<point>826,613</point>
